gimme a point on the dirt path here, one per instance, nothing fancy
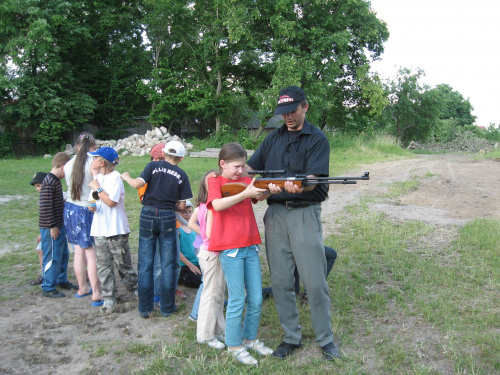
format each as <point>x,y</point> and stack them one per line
<point>67,336</point>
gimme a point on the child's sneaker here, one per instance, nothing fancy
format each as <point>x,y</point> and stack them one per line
<point>220,337</point>
<point>156,301</point>
<point>216,344</point>
<point>243,356</point>
<point>259,347</point>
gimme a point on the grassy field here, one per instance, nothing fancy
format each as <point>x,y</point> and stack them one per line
<point>451,294</point>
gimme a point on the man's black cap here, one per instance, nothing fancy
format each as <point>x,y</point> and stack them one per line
<point>289,99</point>
<point>38,178</point>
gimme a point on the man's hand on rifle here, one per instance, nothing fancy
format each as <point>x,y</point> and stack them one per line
<point>290,187</point>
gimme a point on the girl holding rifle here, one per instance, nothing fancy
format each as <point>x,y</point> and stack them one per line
<point>236,237</point>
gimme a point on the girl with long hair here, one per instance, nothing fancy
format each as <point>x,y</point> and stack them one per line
<point>78,219</point>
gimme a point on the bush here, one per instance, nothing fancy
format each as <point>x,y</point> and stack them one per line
<point>5,145</point>
<point>226,135</point>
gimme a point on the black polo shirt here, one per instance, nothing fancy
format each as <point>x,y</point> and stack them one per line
<point>307,154</point>
<point>167,184</point>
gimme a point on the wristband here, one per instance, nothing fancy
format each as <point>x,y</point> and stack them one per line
<point>99,190</point>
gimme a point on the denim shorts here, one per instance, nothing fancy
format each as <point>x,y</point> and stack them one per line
<point>78,220</point>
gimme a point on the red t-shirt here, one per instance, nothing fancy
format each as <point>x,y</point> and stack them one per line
<point>235,226</point>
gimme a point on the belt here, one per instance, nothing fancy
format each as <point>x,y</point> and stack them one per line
<point>295,204</point>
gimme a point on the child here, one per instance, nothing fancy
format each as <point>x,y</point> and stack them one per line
<point>110,227</point>
<point>157,155</point>
<point>52,231</point>
<point>167,185</point>
<point>190,275</point>
<point>78,219</point>
<point>37,183</point>
<point>236,236</point>
<point>210,317</point>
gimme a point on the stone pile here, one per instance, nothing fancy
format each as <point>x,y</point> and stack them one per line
<point>138,145</point>
<point>466,142</point>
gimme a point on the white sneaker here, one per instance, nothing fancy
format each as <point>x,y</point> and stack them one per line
<point>220,337</point>
<point>216,344</point>
<point>243,356</point>
<point>259,347</point>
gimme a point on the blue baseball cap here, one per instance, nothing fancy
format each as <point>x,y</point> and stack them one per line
<point>107,153</point>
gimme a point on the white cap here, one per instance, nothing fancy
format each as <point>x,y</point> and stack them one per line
<point>188,203</point>
<point>178,147</point>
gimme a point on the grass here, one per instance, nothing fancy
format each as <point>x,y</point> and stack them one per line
<point>399,305</point>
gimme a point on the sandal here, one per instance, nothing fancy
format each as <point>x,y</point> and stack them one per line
<point>37,281</point>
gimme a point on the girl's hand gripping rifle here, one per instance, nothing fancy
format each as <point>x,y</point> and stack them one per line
<point>263,182</point>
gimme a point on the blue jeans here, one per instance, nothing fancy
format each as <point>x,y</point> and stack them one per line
<point>243,274</point>
<point>57,252</point>
<point>157,271</point>
<point>157,224</point>
<point>196,303</point>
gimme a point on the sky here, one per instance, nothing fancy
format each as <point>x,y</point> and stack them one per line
<point>455,42</point>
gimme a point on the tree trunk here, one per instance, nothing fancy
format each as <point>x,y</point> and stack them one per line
<point>259,131</point>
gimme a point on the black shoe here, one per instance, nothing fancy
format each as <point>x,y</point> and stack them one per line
<point>331,352</point>
<point>267,293</point>
<point>284,350</point>
<point>53,294</point>
<point>67,285</point>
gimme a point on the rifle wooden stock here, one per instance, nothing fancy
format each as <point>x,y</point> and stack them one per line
<point>233,188</point>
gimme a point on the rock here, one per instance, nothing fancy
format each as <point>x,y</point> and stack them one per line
<point>69,149</point>
<point>138,145</point>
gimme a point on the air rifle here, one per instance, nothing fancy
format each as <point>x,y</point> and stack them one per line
<point>233,188</point>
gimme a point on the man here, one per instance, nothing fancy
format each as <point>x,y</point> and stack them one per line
<point>294,236</point>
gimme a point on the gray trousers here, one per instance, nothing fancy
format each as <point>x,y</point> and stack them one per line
<point>294,236</point>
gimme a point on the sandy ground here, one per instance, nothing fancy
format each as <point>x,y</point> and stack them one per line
<point>42,336</point>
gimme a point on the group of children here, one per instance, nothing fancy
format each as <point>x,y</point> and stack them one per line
<point>223,228</point>
<point>93,212</point>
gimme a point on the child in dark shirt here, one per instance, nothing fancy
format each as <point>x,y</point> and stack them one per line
<point>52,231</point>
<point>37,183</point>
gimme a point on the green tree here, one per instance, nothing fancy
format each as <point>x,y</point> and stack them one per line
<point>455,106</point>
<point>230,52</point>
<point>414,108</point>
<point>206,63</point>
<point>324,47</point>
<point>74,62</point>
<point>35,37</point>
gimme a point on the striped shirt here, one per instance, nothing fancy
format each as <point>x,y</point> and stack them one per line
<point>51,203</point>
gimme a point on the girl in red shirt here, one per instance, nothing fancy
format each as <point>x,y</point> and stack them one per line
<point>236,237</point>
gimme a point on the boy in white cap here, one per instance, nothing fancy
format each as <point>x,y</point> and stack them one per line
<point>168,189</point>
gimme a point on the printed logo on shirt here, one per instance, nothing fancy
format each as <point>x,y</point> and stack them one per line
<point>168,171</point>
